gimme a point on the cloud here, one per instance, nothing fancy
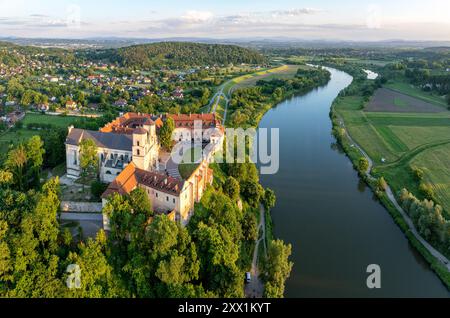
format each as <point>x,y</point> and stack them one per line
<point>193,16</point>
<point>305,23</point>
<point>37,21</point>
<point>295,12</point>
<point>374,17</point>
<point>36,15</point>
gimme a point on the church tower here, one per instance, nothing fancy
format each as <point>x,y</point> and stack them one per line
<point>140,149</point>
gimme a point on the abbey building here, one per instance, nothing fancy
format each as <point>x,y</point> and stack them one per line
<point>130,156</point>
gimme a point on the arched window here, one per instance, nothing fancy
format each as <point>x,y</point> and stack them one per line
<point>108,172</point>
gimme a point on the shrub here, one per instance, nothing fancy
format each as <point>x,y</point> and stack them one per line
<point>427,191</point>
<point>98,188</point>
<point>418,173</point>
<point>381,185</point>
<point>363,165</point>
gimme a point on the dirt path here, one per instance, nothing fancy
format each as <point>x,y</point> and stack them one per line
<point>441,258</point>
<point>255,289</point>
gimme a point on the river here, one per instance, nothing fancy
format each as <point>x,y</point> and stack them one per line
<point>330,217</point>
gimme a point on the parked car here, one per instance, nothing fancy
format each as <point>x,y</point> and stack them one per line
<point>248,278</point>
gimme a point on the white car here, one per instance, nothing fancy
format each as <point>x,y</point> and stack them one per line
<point>248,278</point>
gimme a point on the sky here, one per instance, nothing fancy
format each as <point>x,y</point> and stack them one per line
<point>426,20</point>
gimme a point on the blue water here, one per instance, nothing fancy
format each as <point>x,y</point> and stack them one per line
<point>330,217</point>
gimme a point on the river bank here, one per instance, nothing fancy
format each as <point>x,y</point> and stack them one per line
<point>335,225</point>
<point>438,262</point>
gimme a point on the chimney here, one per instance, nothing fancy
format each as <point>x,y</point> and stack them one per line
<point>70,128</point>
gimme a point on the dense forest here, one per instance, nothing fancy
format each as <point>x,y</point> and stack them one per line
<point>182,54</point>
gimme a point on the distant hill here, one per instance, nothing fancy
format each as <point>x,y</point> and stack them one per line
<point>182,54</point>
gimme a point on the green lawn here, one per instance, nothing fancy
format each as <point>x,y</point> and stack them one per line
<point>59,121</point>
<point>23,134</point>
<point>190,162</point>
<point>186,170</point>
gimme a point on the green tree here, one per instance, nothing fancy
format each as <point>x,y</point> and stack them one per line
<point>269,199</point>
<point>54,145</point>
<point>418,173</point>
<point>277,268</point>
<point>6,178</point>
<point>97,275</point>
<point>140,202</point>
<point>252,191</point>
<point>363,165</point>
<point>231,188</point>
<point>250,227</point>
<point>30,268</point>
<point>15,89</point>
<point>89,161</point>
<point>16,163</point>
<point>382,184</point>
<point>165,134</point>
<point>219,254</point>
<point>35,157</point>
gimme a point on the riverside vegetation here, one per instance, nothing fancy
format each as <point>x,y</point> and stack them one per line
<point>377,134</point>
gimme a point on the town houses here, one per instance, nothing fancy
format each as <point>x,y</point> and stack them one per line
<point>130,156</point>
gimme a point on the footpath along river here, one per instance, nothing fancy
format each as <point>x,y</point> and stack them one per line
<point>330,217</point>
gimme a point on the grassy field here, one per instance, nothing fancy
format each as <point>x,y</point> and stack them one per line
<point>16,136</point>
<point>416,92</point>
<point>399,141</point>
<point>436,164</point>
<point>362,129</point>
<point>285,71</point>
<point>379,63</point>
<point>406,140</point>
<point>59,121</point>
<point>390,135</point>
<point>388,100</point>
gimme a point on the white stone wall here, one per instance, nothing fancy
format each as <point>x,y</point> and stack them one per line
<point>73,162</point>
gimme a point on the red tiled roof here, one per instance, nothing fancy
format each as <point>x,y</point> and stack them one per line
<point>131,177</point>
<point>126,123</point>
<point>187,121</point>
<point>124,183</point>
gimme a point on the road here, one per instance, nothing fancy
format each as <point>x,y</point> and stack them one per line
<point>441,258</point>
<point>255,289</point>
<point>215,100</point>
